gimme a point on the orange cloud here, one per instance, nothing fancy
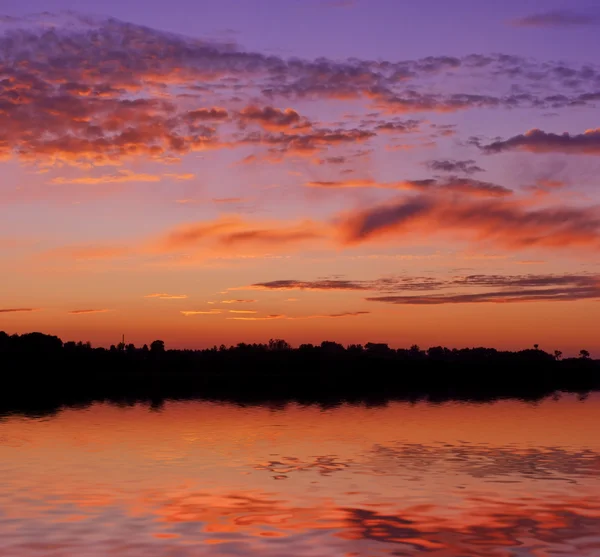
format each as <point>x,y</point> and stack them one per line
<point>188,176</point>
<point>229,199</point>
<point>301,317</point>
<point>539,141</point>
<point>121,176</point>
<point>242,311</point>
<point>19,310</point>
<point>86,311</point>
<point>266,318</point>
<point>234,233</point>
<point>452,184</point>
<point>215,113</point>
<point>273,119</point>
<point>309,143</point>
<point>167,296</point>
<point>194,312</point>
<point>510,224</point>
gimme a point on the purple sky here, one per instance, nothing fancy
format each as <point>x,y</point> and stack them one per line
<point>191,170</point>
<point>370,29</point>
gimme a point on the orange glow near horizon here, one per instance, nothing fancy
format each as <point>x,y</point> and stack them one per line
<point>395,206</point>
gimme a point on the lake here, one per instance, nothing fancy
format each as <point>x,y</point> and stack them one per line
<point>198,478</point>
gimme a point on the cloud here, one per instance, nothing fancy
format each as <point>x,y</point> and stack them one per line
<point>162,296</point>
<point>309,143</point>
<point>121,176</point>
<point>182,177</point>
<point>86,311</point>
<point>215,113</point>
<point>538,141</point>
<point>499,297</point>
<point>332,160</point>
<point>237,301</point>
<point>406,126</point>
<point>199,312</point>
<point>451,184</point>
<point>265,318</point>
<point>106,91</point>
<point>557,18</point>
<point>234,233</point>
<point>250,311</point>
<point>229,199</point>
<point>308,285</point>
<point>499,222</point>
<point>273,119</point>
<point>334,315</point>
<point>453,166</point>
<point>302,317</point>
<point>386,284</point>
<point>480,288</point>
<point>544,186</point>
<point>18,310</point>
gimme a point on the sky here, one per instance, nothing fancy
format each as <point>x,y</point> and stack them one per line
<point>214,172</point>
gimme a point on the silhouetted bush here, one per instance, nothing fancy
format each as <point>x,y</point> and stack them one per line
<point>40,370</point>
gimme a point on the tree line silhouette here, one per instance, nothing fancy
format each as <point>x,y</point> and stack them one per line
<point>39,370</point>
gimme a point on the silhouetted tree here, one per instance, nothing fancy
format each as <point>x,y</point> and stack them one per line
<point>157,347</point>
<point>277,344</point>
<point>377,348</point>
<point>330,347</point>
<point>41,367</point>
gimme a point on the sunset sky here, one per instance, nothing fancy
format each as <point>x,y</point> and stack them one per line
<point>224,171</point>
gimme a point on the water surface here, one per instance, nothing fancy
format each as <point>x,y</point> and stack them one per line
<point>200,478</point>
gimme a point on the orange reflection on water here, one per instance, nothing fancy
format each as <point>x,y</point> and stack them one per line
<point>200,478</point>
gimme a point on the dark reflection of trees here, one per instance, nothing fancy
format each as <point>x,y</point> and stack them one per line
<point>412,461</point>
<point>492,463</point>
<point>40,372</point>
<point>323,465</point>
<point>505,530</point>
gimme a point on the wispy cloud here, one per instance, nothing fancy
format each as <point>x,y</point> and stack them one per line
<point>451,184</point>
<point>454,166</point>
<point>498,297</point>
<point>150,104</point>
<point>162,296</point>
<point>509,224</point>
<point>539,141</point>
<point>122,176</point>
<point>479,288</point>
<point>265,318</point>
<point>234,234</point>
<point>274,119</point>
<point>558,18</point>
<point>200,312</point>
<point>86,311</point>
<point>302,317</point>
<point>18,310</point>
<point>229,199</point>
